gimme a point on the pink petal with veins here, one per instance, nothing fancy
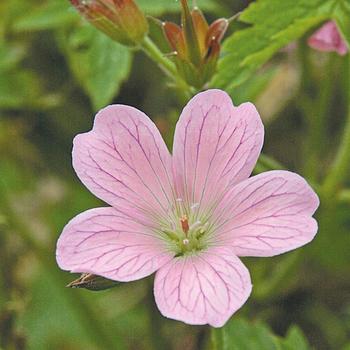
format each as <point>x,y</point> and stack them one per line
<point>268,214</point>
<point>123,160</point>
<point>216,145</point>
<point>328,38</point>
<point>105,242</point>
<point>202,289</point>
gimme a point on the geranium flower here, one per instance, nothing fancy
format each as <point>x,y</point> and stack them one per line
<point>188,217</point>
<point>328,38</point>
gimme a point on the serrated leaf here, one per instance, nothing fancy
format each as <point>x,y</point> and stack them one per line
<point>99,64</point>
<point>273,24</point>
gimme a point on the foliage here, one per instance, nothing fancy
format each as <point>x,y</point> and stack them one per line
<point>56,71</point>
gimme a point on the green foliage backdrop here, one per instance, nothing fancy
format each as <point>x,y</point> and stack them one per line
<point>56,71</point>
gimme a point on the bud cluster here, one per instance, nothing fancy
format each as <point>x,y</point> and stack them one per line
<point>195,44</point>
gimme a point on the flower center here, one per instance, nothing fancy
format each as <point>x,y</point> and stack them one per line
<point>186,234</point>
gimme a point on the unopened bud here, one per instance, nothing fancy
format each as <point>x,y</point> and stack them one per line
<point>92,282</point>
<point>196,45</point>
<point>121,20</point>
<point>216,31</point>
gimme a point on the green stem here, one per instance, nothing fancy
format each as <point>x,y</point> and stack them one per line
<point>317,124</point>
<point>156,55</point>
<point>82,309</point>
<point>153,52</point>
<point>341,166</point>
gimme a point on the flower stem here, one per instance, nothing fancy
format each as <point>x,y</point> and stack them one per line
<point>317,118</point>
<point>82,309</point>
<point>153,52</point>
<point>149,47</point>
<point>341,166</point>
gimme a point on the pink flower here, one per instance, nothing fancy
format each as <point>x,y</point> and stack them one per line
<point>328,38</point>
<point>187,217</point>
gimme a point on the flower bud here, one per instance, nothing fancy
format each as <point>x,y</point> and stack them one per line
<point>92,282</point>
<point>196,45</point>
<point>121,20</point>
<point>328,38</point>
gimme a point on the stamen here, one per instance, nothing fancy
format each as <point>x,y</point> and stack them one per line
<point>195,225</point>
<point>185,241</point>
<point>194,206</point>
<point>184,224</point>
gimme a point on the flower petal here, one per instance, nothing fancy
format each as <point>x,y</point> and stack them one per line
<point>107,243</point>
<point>328,38</point>
<point>268,214</point>
<point>124,161</point>
<point>204,288</point>
<point>216,145</point>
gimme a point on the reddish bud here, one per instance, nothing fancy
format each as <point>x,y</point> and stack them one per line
<point>122,20</point>
<point>217,31</point>
<point>196,43</point>
<point>175,38</point>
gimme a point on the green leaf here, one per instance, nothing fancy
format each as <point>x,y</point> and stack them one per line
<point>240,334</point>
<point>342,17</point>
<point>158,7</point>
<point>273,24</point>
<point>53,14</point>
<point>99,64</point>
<point>21,89</point>
<point>295,339</point>
<point>10,55</point>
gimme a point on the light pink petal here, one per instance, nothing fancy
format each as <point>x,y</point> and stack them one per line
<point>105,242</point>
<point>204,288</point>
<point>268,214</point>
<point>216,145</point>
<point>328,38</point>
<point>124,161</point>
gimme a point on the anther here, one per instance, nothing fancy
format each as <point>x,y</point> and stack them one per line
<point>194,206</point>
<point>196,225</point>
<point>185,241</point>
<point>184,224</point>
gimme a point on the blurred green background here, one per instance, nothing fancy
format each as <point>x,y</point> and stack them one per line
<point>56,71</point>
